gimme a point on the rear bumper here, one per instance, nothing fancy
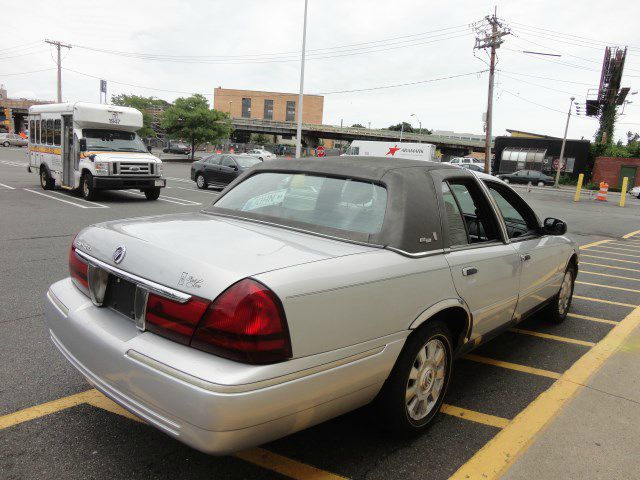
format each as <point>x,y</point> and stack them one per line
<point>119,183</point>
<point>149,376</point>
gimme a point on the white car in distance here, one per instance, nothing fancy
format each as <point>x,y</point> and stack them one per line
<point>262,154</point>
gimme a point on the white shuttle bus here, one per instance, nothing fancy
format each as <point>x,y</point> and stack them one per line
<point>89,147</point>
<point>411,151</point>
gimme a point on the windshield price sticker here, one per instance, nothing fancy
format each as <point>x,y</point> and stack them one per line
<point>265,200</point>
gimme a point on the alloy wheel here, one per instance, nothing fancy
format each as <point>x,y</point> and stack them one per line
<point>564,297</point>
<point>426,379</point>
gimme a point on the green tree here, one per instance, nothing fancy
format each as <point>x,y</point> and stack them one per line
<point>144,104</point>
<point>192,119</point>
<point>407,127</point>
<point>260,138</point>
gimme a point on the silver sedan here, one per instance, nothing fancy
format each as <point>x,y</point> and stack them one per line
<point>12,139</point>
<point>306,290</point>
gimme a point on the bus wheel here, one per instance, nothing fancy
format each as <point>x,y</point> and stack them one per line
<point>86,187</point>
<point>152,193</point>
<point>46,182</point>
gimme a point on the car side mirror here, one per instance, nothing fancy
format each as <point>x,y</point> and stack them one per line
<point>553,226</point>
<point>235,167</point>
<point>83,144</point>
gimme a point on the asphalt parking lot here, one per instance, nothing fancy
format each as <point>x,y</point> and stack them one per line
<point>53,425</point>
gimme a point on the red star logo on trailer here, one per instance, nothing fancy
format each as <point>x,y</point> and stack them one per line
<point>392,150</point>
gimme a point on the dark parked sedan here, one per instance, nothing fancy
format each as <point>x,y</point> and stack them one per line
<point>177,147</point>
<point>220,170</point>
<point>526,176</point>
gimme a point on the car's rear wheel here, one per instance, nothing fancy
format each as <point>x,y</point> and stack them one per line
<point>559,307</point>
<point>46,182</point>
<point>152,193</point>
<point>541,184</point>
<point>5,144</point>
<point>415,390</point>
<point>201,182</point>
<point>86,187</point>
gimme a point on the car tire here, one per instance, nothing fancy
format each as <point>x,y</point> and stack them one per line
<point>46,182</point>
<point>505,180</point>
<point>152,193</point>
<point>5,144</point>
<point>559,306</point>
<point>432,371</point>
<point>164,150</point>
<point>541,184</point>
<point>87,190</point>
<point>201,182</point>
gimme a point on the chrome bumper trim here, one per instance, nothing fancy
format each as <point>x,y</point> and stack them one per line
<point>247,387</point>
<point>62,308</point>
<point>153,287</point>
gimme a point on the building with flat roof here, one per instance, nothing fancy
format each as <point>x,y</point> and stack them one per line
<point>281,107</point>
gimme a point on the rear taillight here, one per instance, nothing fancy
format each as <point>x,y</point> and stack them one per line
<point>174,320</point>
<point>245,323</point>
<point>78,268</point>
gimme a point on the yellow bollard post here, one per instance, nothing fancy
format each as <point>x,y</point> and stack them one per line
<point>623,191</point>
<point>576,198</point>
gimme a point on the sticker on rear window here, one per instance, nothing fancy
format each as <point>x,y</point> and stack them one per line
<point>268,199</point>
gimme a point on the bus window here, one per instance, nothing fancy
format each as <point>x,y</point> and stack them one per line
<point>38,131</point>
<point>32,131</point>
<point>49,132</point>
<point>56,132</point>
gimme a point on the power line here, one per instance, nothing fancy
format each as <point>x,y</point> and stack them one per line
<point>258,56</point>
<point>20,47</point>
<point>541,86</point>
<point>404,84</point>
<point>549,78</point>
<point>26,73</point>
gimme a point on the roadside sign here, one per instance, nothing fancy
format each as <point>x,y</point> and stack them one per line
<point>320,151</point>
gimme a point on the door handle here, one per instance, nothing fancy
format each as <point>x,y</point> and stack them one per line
<point>525,256</point>
<point>466,271</point>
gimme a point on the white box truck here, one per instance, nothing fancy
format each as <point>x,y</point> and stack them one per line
<point>411,151</point>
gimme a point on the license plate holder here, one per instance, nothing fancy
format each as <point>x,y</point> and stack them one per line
<point>120,296</point>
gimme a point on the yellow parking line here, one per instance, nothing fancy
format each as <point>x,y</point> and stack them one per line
<point>512,366</point>
<point>474,416</point>
<point>285,466</point>
<point>593,319</point>
<point>609,302</point>
<point>609,252</point>
<point>632,234</point>
<point>607,247</point>
<point>589,272</point>
<point>495,458</point>
<point>634,290</point>
<point>593,244</point>
<point>608,258</point>
<point>552,337</point>
<point>44,409</point>
<point>627,244</point>
<point>610,266</point>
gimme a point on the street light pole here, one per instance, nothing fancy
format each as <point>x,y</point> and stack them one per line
<point>564,141</point>
<point>301,96</point>
<point>419,123</point>
<point>401,131</point>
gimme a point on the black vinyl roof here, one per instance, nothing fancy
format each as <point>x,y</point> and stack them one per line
<point>412,219</point>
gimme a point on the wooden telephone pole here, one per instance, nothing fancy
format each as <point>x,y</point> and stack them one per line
<point>489,36</point>
<point>59,45</point>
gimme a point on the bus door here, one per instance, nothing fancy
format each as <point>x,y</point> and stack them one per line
<point>68,165</point>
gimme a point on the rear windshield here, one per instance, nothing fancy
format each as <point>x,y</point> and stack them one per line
<point>337,203</point>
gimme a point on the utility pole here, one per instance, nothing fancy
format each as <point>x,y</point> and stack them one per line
<point>490,39</point>
<point>301,95</point>
<point>59,45</point>
<point>564,141</point>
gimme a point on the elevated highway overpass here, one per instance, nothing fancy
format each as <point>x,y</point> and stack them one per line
<point>311,133</point>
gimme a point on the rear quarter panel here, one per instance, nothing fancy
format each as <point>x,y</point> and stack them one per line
<point>349,300</point>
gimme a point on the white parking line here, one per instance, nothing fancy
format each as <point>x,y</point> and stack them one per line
<point>6,186</point>
<point>97,205</point>
<point>196,191</point>
<point>183,180</point>
<point>178,201</point>
<point>94,205</point>
<point>14,164</point>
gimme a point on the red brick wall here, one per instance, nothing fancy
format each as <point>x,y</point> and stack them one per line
<point>608,169</point>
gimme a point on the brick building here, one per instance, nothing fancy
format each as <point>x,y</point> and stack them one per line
<point>613,169</point>
<point>14,111</point>
<point>281,107</point>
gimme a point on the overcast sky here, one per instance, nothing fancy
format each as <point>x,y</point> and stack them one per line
<point>260,37</point>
